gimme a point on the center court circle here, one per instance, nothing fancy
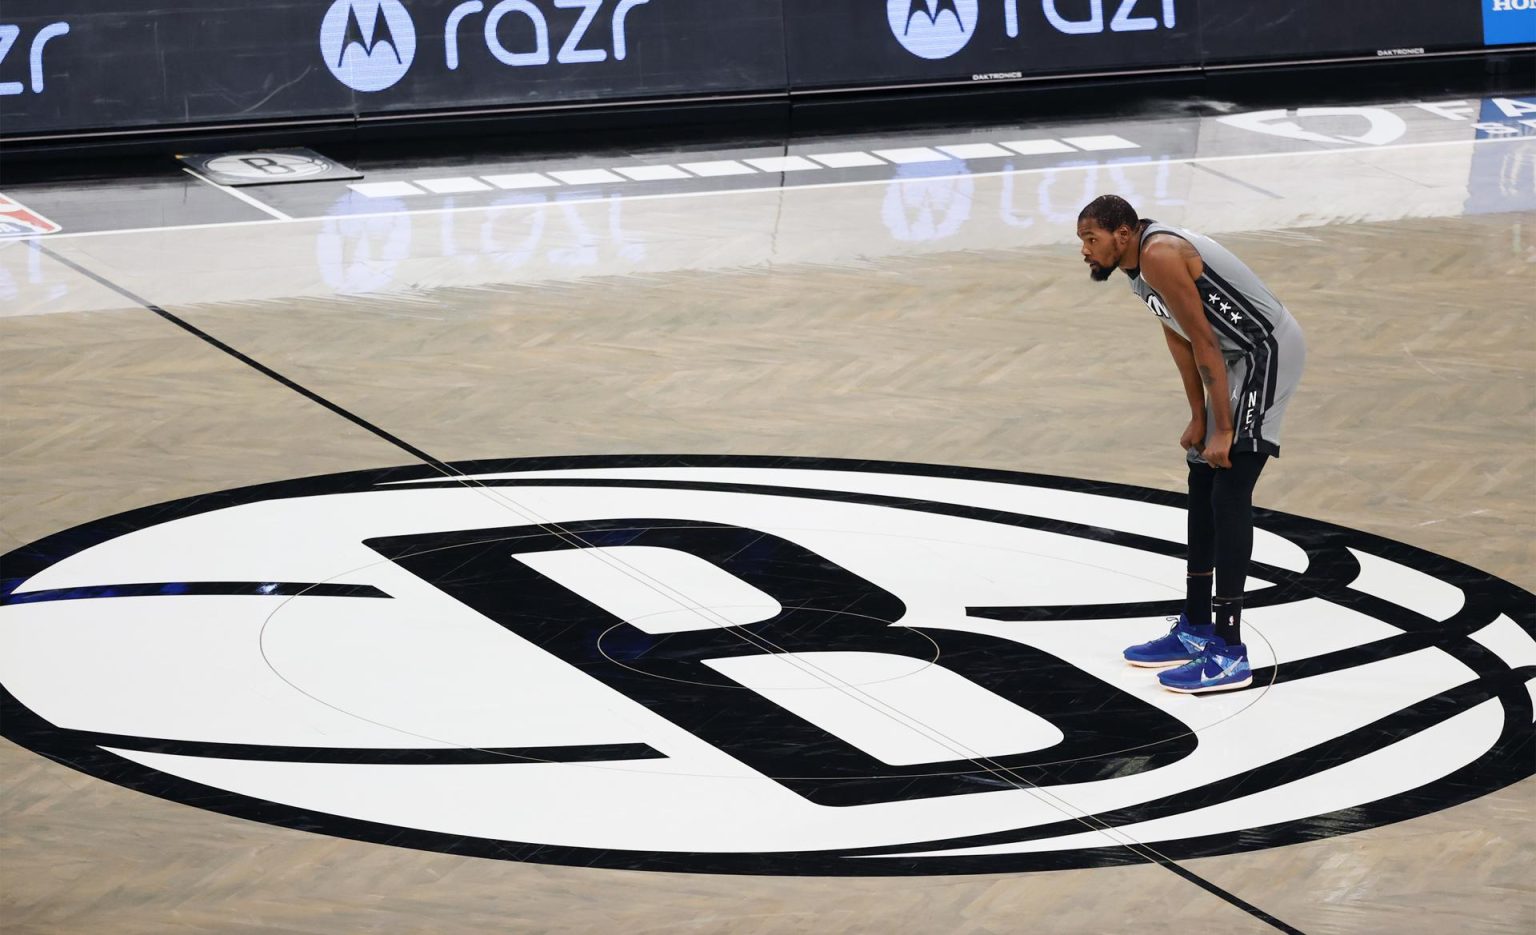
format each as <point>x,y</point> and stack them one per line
<point>751,665</point>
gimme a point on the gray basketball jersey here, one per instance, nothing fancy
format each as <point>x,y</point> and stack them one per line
<point>1259,340</point>
<point>1240,308</point>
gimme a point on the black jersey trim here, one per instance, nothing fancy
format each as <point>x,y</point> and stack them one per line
<point>1239,298</point>
<point>1254,399</point>
<point>1262,351</point>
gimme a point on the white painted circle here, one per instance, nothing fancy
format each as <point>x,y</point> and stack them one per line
<point>260,639</point>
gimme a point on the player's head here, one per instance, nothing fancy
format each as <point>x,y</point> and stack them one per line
<point>1107,227</point>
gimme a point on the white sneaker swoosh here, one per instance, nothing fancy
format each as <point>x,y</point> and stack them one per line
<point>1226,672</point>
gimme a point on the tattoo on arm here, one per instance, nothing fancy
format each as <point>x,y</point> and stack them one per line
<point>1206,376</point>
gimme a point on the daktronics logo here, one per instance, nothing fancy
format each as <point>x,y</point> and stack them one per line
<point>936,29</point>
<point>369,44</point>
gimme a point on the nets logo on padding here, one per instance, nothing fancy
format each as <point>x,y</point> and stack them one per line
<point>932,29</point>
<point>274,166</point>
<point>752,665</point>
<point>368,44</point>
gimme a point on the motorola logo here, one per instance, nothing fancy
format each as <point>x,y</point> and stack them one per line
<point>926,202</point>
<point>368,44</point>
<point>752,665</point>
<point>937,29</point>
<point>932,29</point>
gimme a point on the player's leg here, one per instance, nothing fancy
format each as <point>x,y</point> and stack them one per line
<point>1193,628</point>
<point>1232,506</point>
<point>1267,384</point>
<point>1223,661</point>
<point>1200,553</point>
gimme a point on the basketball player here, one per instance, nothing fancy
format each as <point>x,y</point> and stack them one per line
<point>1240,354</point>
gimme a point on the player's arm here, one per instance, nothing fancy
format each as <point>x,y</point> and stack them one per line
<point>1170,266</point>
<point>1194,390</point>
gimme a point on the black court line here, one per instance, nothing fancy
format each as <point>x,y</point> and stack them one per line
<point>254,364</point>
<point>1144,852</point>
<point>376,756</point>
<point>1220,893</point>
<point>192,588</point>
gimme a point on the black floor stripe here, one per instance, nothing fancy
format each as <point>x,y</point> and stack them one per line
<point>193,588</point>
<point>254,364</point>
<point>380,756</point>
<point>1220,893</point>
<point>1139,850</point>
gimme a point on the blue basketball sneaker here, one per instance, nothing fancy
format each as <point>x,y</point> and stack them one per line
<point>1179,645</point>
<point>1218,668</point>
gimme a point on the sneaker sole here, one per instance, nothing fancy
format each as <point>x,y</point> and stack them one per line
<point>1226,687</point>
<point>1169,663</point>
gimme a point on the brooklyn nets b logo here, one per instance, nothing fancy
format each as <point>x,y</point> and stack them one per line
<point>752,665</point>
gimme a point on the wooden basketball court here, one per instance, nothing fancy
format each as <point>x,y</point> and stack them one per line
<point>937,314</point>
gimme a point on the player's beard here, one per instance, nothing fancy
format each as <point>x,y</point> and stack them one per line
<point>1100,273</point>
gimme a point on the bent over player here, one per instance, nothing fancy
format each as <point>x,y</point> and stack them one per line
<point>1240,354</point>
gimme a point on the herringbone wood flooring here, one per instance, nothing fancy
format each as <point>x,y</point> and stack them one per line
<point>1417,421</point>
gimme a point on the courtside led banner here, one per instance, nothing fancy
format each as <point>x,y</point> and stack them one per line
<point>918,41</point>
<point>85,66</point>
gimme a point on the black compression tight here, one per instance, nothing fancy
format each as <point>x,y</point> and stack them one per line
<point>1221,535</point>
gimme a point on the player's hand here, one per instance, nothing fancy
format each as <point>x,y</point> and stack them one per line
<point>1194,434</point>
<point>1219,452</point>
